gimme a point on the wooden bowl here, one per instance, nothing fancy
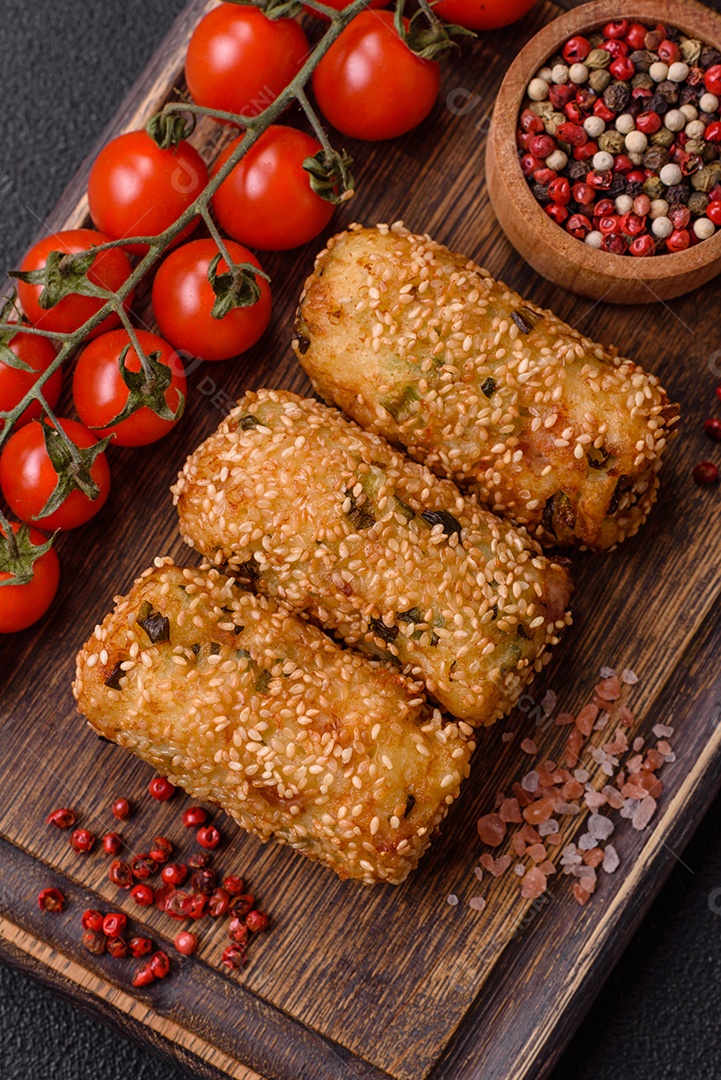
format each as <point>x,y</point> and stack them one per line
<point>548,248</point>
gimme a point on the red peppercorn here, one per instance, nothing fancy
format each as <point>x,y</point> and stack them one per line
<point>600,180</point>
<point>609,224</point>
<point>174,873</point>
<point>617,29</point>
<point>560,94</point>
<point>257,921</point>
<point>238,931</point>
<point>639,93</point>
<point>712,79</point>
<point>186,942</point>
<point>234,885</point>
<point>678,240</point>
<point>603,208</point>
<point>114,924</point>
<point>143,895</point>
<point>705,473</point>
<point>160,964</point>
<point>233,957</point>
<point>616,48</point>
<point>585,152</point>
<point>51,900</point>
<point>601,109</point>
<point>523,139</point>
<point>713,131</point>
<point>161,849</point>
<point>635,38</point>
<point>112,843</point>
<point>622,69</point>
<point>241,905</point>
<point>82,840</point>
<point>636,176</point>
<point>530,123</point>
<point>63,818</point>
<point>556,212</point>
<point>208,836</point>
<point>161,896</point>
<point>648,122</point>
<point>218,904</point>
<point>143,866</point>
<point>579,226</point>
<point>713,212</point>
<point>572,133</point>
<point>140,946</point>
<point>542,145</point>
<point>143,976</point>
<point>94,941</point>
<point>679,215</point>
<point>120,874</point>
<point>583,194</point>
<point>713,428</point>
<point>669,52</point>
<point>642,245</point>
<point>574,112</point>
<point>196,815</point>
<point>576,49</point>
<point>544,175</point>
<point>161,789</point>
<point>199,860</point>
<point>631,224</point>
<point>529,164</point>
<point>614,243</point>
<point>117,947</point>
<point>178,904</point>
<point>204,881</point>
<point>121,809</point>
<point>197,906</point>
<point>92,920</point>
<point>622,163</point>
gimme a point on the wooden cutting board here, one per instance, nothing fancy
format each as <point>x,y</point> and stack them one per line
<point>383,982</point>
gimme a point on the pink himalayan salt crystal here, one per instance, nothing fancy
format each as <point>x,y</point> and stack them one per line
<point>537,852</point>
<point>607,673</point>
<point>630,678</point>
<point>587,718</point>
<point>663,731</point>
<point>529,746</point>
<point>565,718</point>
<point>491,829</point>
<point>510,811</point>
<point>477,903</point>
<point>609,689</point>
<point>534,884</point>
<point>611,861</point>
<point>452,900</point>
<point>644,813</point>
<point>507,736</point>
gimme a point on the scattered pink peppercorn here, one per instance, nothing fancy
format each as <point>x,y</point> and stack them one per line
<point>140,946</point>
<point>64,818</point>
<point>235,885</point>
<point>160,964</point>
<point>112,843</point>
<point>233,957</point>
<point>143,975</point>
<point>186,942</point>
<point>196,815</point>
<point>117,947</point>
<point>161,789</point>
<point>143,895</point>
<point>257,921</point>
<point>712,80</point>
<point>51,900</point>
<point>94,941</point>
<point>82,840</point>
<point>114,923</point>
<point>208,837</point>
<point>92,920</point>
<point>120,874</point>
<point>161,849</point>
<point>705,473</point>
<point>174,873</point>
<point>121,809</point>
<point>713,427</point>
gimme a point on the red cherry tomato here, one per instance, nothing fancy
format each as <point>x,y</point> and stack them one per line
<point>183,299</point>
<point>340,5</point>
<point>28,478</point>
<point>369,55</point>
<point>483,14</point>
<point>39,353</point>
<point>100,393</point>
<point>22,605</point>
<point>109,270</point>
<point>267,201</point>
<point>137,189</point>
<point>239,61</point>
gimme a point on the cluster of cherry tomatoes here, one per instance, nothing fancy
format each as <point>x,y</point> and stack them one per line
<point>369,85</point>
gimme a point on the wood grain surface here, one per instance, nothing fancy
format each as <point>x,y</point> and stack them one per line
<point>383,982</point>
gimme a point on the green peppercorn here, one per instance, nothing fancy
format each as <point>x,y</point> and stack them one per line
<point>710,152</point>
<point>597,59</point>
<point>553,122</point>
<point>611,141</point>
<point>645,82</point>
<point>697,203</point>
<point>690,51</point>
<point>654,188</point>
<point>598,80</point>
<point>703,180</point>
<point>664,138</point>
<point>694,146</point>
<point>541,108</point>
<point>642,60</point>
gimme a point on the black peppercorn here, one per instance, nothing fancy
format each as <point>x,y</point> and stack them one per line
<point>695,80</point>
<point>634,188</point>
<point>678,193</point>
<point>577,170</point>
<point>668,90</point>
<point>618,186</point>
<point>540,193</point>
<point>617,96</point>
<point>655,158</point>
<point>709,56</point>
<point>673,34</point>
<point>642,59</point>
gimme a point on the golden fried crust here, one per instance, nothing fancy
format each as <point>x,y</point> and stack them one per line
<point>337,524</point>
<point>240,703</point>
<point>422,346</point>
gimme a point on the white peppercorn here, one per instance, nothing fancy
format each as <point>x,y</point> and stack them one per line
<point>578,73</point>
<point>538,89</point>
<point>636,142</point>
<point>557,160</point>
<point>674,120</point>
<point>559,75</point>
<point>594,239</point>
<point>625,123</point>
<point>678,71</point>
<point>594,126</point>
<point>695,129</point>
<point>658,71</point>
<point>704,228</point>
<point>659,208</point>
<point>623,204</point>
<point>661,227</point>
<point>708,103</point>
<point>670,174</point>
<point>602,160</point>
<point>689,111</point>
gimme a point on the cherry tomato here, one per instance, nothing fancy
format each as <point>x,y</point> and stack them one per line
<point>483,14</point>
<point>369,84</point>
<point>183,299</point>
<point>39,353</point>
<point>22,605</point>
<point>100,392</point>
<point>239,61</point>
<point>137,189</point>
<point>28,478</point>
<point>267,201</point>
<point>109,270</point>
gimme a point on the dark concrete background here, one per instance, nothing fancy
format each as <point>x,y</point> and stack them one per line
<point>658,1016</point>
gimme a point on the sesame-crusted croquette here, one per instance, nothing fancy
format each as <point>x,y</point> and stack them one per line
<point>336,523</point>
<point>547,427</point>
<point>239,702</point>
